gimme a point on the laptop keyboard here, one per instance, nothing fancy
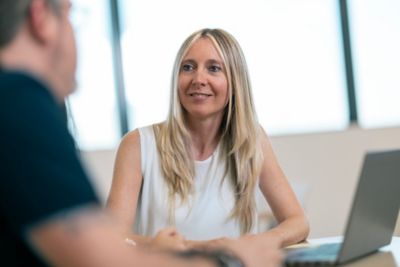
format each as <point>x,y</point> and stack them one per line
<point>321,255</point>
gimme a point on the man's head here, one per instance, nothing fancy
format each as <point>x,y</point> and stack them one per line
<point>12,14</point>
<point>36,36</point>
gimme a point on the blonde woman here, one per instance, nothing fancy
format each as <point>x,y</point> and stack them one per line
<point>198,171</point>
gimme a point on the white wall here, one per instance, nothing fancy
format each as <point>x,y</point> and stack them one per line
<point>323,169</point>
<point>328,165</point>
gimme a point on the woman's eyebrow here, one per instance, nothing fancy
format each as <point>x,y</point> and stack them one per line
<point>209,61</point>
<point>189,61</point>
<point>213,61</point>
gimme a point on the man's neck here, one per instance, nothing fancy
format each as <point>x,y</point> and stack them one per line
<point>26,56</point>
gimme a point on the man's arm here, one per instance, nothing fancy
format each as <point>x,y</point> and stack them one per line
<point>88,237</point>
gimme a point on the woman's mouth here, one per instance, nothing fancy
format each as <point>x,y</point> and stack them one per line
<point>199,95</point>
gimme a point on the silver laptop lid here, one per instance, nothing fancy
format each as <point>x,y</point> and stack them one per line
<point>375,206</point>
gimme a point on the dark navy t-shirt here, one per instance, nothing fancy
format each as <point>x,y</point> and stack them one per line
<point>40,171</point>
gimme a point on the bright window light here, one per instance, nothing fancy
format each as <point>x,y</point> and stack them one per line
<point>95,122</point>
<point>293,49</point>
<point>375,33</point>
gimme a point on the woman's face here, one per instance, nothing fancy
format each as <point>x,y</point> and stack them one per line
<point>203,85</point>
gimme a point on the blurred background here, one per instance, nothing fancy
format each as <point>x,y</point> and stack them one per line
<point>325,76</point>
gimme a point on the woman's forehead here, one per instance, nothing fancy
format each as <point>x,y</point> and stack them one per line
<point>203,48</point>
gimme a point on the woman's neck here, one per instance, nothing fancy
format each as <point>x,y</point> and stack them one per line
<point>205,137</point>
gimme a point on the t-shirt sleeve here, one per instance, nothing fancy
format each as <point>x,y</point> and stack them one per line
<point>40,169</point>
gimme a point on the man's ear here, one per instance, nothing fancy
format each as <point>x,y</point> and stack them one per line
<point>41,21</point>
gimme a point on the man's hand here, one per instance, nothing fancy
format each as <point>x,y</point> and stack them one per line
<point>250,249</point>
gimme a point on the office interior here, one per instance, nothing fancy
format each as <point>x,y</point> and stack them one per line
<point>325,78</point>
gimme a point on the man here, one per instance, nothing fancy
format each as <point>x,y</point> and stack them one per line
<point>49,214</point>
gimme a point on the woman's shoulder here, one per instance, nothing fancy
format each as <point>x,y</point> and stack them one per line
<point>141,134</point>
<point>130,138</point>
<point>136,133</point>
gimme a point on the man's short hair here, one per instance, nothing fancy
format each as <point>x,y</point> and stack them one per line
<point>12,16</point>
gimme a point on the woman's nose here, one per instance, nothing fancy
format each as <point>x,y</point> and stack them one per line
<point>200,78</point>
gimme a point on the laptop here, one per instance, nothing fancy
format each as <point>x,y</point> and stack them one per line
<point>372,219</point>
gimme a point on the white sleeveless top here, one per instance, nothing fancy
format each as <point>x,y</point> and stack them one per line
<point>205,216</point>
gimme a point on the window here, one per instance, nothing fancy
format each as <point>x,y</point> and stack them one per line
<point>375,28</point>
<point>95,122</point>
<point>293,49</point>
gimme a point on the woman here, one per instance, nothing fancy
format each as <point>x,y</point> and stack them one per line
<point>198,170</point>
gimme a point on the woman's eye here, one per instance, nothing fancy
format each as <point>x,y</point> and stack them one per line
<point>187,67</point>
<point>215,68</point>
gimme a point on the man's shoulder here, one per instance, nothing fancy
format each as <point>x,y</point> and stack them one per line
<point>12,77</point>
<point>26,105</point>
<point>21,91</point>
<point>16,82</point>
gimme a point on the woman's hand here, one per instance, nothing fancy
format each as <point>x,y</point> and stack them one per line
<point>252,250</point>
<point>168,239</point>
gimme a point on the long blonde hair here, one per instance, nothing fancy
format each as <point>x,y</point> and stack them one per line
<point>240,131</point>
